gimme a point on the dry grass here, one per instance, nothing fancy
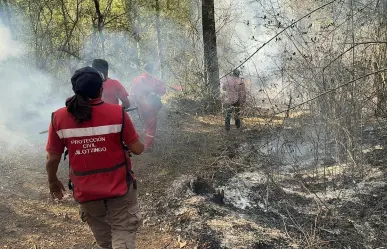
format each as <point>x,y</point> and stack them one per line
<point>187,143</point>
<point>183,145</point>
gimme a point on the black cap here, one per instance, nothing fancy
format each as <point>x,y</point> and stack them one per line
<point>87,82</point>
<point>101,65</point>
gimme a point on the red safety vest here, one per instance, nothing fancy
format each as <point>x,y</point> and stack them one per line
<point>142,88</point>
<point>100,168</point>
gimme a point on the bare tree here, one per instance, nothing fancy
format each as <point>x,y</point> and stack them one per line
<point>159,41</point>
<point>1,9</point>
<point>210,52</point>
<point>99,25</point>
<point>5,11</point>
<point>379,59</point>
<point>132,15</point>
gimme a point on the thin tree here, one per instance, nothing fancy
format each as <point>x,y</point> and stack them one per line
<point>210,53</point>
<point>133,16</point>
<point>159,41</point>
<point>99,25</point>
<point>5,12</point>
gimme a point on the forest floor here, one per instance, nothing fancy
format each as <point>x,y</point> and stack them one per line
<point>266,205</point>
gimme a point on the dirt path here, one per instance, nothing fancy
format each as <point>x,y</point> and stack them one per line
<point>266,205</point>
<point>29,219</point>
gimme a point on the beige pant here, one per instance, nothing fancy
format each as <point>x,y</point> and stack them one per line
<point>114,222</point>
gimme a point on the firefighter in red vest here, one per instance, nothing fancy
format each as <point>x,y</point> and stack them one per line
<point>146,90</point>
<point>97,136</point>
<point>113,90</point>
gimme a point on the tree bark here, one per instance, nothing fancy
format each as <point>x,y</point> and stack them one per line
<point>159,41</point>
<point>6,13</point>
<point>131,9</point>
<point>380,92</point>
<point>380,62</point>
<point>100,24</point>
<point>1,11</point>
<point>210,54</point>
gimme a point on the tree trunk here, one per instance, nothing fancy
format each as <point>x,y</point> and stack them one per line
<point>159,42</point>
<point>1,11</point>
<point>132,13</point>
<point>210,54</point>
<point>380,62</point>
<point>4,7</point>
<point>380,92</point>
<point>99,26</point>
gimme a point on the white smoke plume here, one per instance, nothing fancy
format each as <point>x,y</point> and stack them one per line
<point>26,99</point>
<point>29,95</point>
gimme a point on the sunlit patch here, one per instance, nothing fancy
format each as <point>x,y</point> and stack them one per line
<point>164,172</point>
<point>294,114</point>
<point>369,150</point>
<point>257,121</point>
<point>250,121</point>
<point>211,120</point>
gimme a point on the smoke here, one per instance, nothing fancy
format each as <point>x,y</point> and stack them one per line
<point>26,99</point>
<point>244,33</point>
<point>242,30</point>
<point>29,95</point>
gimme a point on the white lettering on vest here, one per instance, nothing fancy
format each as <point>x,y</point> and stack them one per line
<point>88,151</point>
<point>89,140</point>
<point>89,145</point>
<point>85,146</point>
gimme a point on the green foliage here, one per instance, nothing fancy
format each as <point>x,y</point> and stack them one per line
<point>61,31</point>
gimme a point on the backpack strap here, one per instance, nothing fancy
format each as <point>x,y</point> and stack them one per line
<point>124,146</point>
<point>130,178</point>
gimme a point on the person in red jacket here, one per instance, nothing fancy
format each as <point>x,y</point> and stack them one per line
<point>234,97</point>
<point>146,90</point>
<point>113,90</point>
<point>98,137</point>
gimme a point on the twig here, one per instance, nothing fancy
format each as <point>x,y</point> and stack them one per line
<point>271,39</point>
<point>330,90</point>
<point>170,242</point>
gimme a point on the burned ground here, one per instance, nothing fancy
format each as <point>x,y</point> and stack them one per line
<point>266,203</point>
